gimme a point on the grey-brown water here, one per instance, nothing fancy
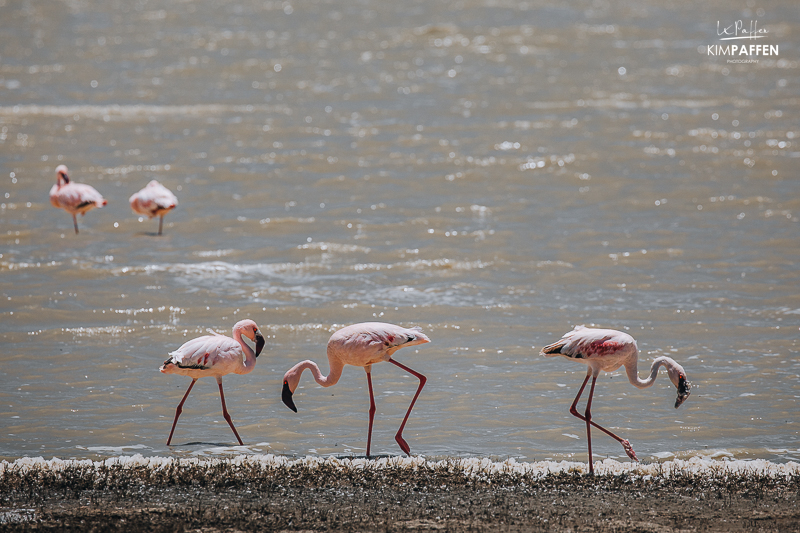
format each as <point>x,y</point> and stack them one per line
<point>493,172</point>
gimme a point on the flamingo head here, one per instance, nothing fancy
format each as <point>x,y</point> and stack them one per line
<point>62,174</point>
<point>290,381</point>
<point>250,330</point>
<point>678,377</point>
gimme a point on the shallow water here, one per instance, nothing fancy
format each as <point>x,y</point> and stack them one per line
<point>495,173</point>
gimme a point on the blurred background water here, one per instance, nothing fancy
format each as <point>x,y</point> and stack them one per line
<point>494,172</point>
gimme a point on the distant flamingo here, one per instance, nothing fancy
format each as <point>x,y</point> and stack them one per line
<point>361,345</point>
<point>607,350</point>
<point>154,200</point>
<point>215,355</point>
<point>74,197</point>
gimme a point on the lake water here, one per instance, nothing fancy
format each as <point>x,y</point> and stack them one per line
<point>494,172</point>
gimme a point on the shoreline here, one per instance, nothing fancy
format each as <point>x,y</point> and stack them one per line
<point>272,493</point>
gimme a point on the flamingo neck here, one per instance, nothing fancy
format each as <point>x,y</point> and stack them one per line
<point>633,373</point>
<point>249,362</point>
<point>331,379</point>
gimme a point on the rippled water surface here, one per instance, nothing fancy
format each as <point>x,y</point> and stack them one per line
<point>494,172</point>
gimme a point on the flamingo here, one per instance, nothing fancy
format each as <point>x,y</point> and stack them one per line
<point>215,355</point>
<point>153,200</point>
<point>74,197</point>
<point>607,350</point>
<point>361,345</point>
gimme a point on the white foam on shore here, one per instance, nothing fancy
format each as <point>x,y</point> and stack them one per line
<point>481,468</point>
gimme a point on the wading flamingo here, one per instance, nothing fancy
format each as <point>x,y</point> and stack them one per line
<point>154,200</point>
<point>607,350</point>
<point>361,345</point>
<point>215,355</point>
<point>74,197</point>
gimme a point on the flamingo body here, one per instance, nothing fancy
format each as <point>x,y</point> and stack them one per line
<point>153,200</point>
<point>215,356</point>
<point>607,350</point>
<point>74,198</point>
<point>600,349</point>
<point>361,345</point>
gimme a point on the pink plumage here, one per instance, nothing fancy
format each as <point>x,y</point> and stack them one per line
<point>215,356</point>
<point>74,198</point>
<point>361,345</point>
<point>607,350</point>
<point>153,200</point>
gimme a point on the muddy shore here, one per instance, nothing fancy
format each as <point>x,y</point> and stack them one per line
<point>364,496</point>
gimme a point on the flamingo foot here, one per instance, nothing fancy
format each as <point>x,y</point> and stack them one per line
<point>403,444</point>
<point>626,445</point>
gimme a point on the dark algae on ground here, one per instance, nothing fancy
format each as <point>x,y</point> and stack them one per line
<point>395,494</point>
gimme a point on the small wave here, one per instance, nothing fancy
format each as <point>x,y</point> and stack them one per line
<point>334,247</point>
<point>129,111</point>
<point>117,449</point>
<point>214,253</point>
<point>8,265</point>
<point>211,269</point>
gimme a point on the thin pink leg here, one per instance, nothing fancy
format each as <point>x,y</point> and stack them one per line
<point>75,223</point>
<point>588,418</point>
<point>371,412</point>
<point>626,445</point>
<point>422,379</point>
<point>225,412</point>
<point>574,412</point>
<point>179,410</point>
<point>160,224</point>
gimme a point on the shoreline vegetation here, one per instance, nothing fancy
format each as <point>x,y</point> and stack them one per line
<point>273,493</point>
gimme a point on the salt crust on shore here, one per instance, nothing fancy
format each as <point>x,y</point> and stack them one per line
<point>481,468</point>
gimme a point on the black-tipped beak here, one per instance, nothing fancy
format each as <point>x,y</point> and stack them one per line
<point>684,390</point>
<point>259,343</point>
<point>286,396</point>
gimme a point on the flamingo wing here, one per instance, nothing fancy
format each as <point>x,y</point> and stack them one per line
<point>153,199</point>
<point>206,352</point>
<point>588,343</point>
<point>76,197</point>
<point>386,336</point>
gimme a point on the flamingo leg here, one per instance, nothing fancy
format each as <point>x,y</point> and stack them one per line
<point>225,412</point>
<point>626,445</point>
<point>588,418</point>
<point>179,410</point>
<point>422,379</point>
<point>371,412</point>
<point>75,223</point>
<point>160,224</point>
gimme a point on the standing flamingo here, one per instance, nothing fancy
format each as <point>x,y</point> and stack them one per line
<point>74,197</point>
<point>607,350</point>
<point>153,200</point>
<point>215,355</point>
<point>361,345</point>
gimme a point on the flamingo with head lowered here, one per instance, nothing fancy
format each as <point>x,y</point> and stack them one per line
<point>214,356</point>
<point>361,345</point>
<point>74,198</point>
<point>607,350</point>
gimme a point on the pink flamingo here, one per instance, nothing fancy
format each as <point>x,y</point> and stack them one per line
<point>215,355</point>
<point>153,200</point>
<point>74,197</point>
<point>607,350</point>
<point>361,345</point>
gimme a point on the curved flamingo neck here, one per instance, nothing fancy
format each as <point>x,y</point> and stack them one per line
<point>633,373</point>
<point>331,379</point>
<point>249,362</point>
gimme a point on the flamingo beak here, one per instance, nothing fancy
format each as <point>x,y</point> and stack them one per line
<point>259,343</point>
<point>286,396</point>
<point>684,390</point>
